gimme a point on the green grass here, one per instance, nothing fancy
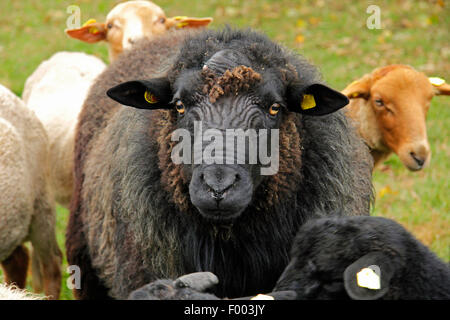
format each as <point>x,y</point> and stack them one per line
<point>331,34</point>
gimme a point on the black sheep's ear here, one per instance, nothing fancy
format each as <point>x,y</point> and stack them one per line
<point>143,94</point>
<point>315,100</point>
<point>368,278</point>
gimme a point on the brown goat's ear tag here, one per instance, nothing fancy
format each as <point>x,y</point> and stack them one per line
<point>354,94</point>
<point>358,88</point>
<point>308,102</point>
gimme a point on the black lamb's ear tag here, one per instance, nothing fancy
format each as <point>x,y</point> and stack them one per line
<point>316,100</point>
<point>368,278</point>
<point>143,94</point>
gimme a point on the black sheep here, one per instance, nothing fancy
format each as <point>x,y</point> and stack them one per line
<point>328,254</point>
<point>137,216</point>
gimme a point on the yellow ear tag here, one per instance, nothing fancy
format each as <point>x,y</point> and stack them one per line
<point>308,102</point>
<point>437,82</point>
<point>180,17</point>
<point>150,98</point>
<point>367,278</point>
<point>182,25</point>
<point>93,30</point>
<point>355,95</point>
<point>90,21</point>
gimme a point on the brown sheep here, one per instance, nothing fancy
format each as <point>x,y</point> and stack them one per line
<point>389,108</point>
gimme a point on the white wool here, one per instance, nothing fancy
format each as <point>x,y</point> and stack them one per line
<point>56,92</point>
<point>26,203</point>
<point>14,293</point>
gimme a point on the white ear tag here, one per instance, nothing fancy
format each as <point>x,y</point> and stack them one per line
<point>437,82</point>
<point>367,278</point>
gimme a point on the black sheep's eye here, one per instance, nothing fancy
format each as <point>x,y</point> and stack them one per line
<point>109,25</point>
<point>162,20</point>
<point>180,107</point>
<point>274,109</point>
<point>379,102</point>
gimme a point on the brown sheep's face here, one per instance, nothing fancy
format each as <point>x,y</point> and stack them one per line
<point>396,101</point>
<point>400,101</point>
<point>227,131</point>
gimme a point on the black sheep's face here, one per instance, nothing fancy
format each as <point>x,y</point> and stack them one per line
<point>227,133</point>
<point>227,162</point>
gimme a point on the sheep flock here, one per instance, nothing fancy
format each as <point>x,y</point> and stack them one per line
<point>207,163</point>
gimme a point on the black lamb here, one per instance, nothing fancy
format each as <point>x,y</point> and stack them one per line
<point>329,253</point>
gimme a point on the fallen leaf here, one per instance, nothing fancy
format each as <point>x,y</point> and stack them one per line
<point>386,191</point>
<point>433,19</point>
<point>299,38</point>
<point>300,23</point>
<point>405,23</point>
<point>313,21</point>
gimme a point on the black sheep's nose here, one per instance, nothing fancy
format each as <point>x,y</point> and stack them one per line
<point>219,179</point>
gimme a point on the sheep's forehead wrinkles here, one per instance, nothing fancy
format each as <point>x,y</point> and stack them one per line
<point>232,112</point>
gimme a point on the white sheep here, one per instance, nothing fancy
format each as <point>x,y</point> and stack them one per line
<point>129,21</point>
<point>15,293</point>
<point>26,203</point>
<point>56,92</point>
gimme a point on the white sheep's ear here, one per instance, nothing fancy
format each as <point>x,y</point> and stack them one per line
<point>315,100</point>
<point>143,94</point>
<point>368,278</point>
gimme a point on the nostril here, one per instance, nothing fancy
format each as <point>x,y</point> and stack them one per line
<point>217,195</point>
<point>418,160</point>
<point>220,182</point>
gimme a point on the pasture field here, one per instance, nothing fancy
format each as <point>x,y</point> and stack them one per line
<point>331,34</point>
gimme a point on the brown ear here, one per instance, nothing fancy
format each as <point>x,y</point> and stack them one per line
<point>359,88</point>
<point>90,33</point>
<point>443,89</point>
<point>440,86</point>
<point>187,22</point>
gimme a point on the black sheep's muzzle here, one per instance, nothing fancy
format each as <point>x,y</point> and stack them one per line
<point>219,191</point>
